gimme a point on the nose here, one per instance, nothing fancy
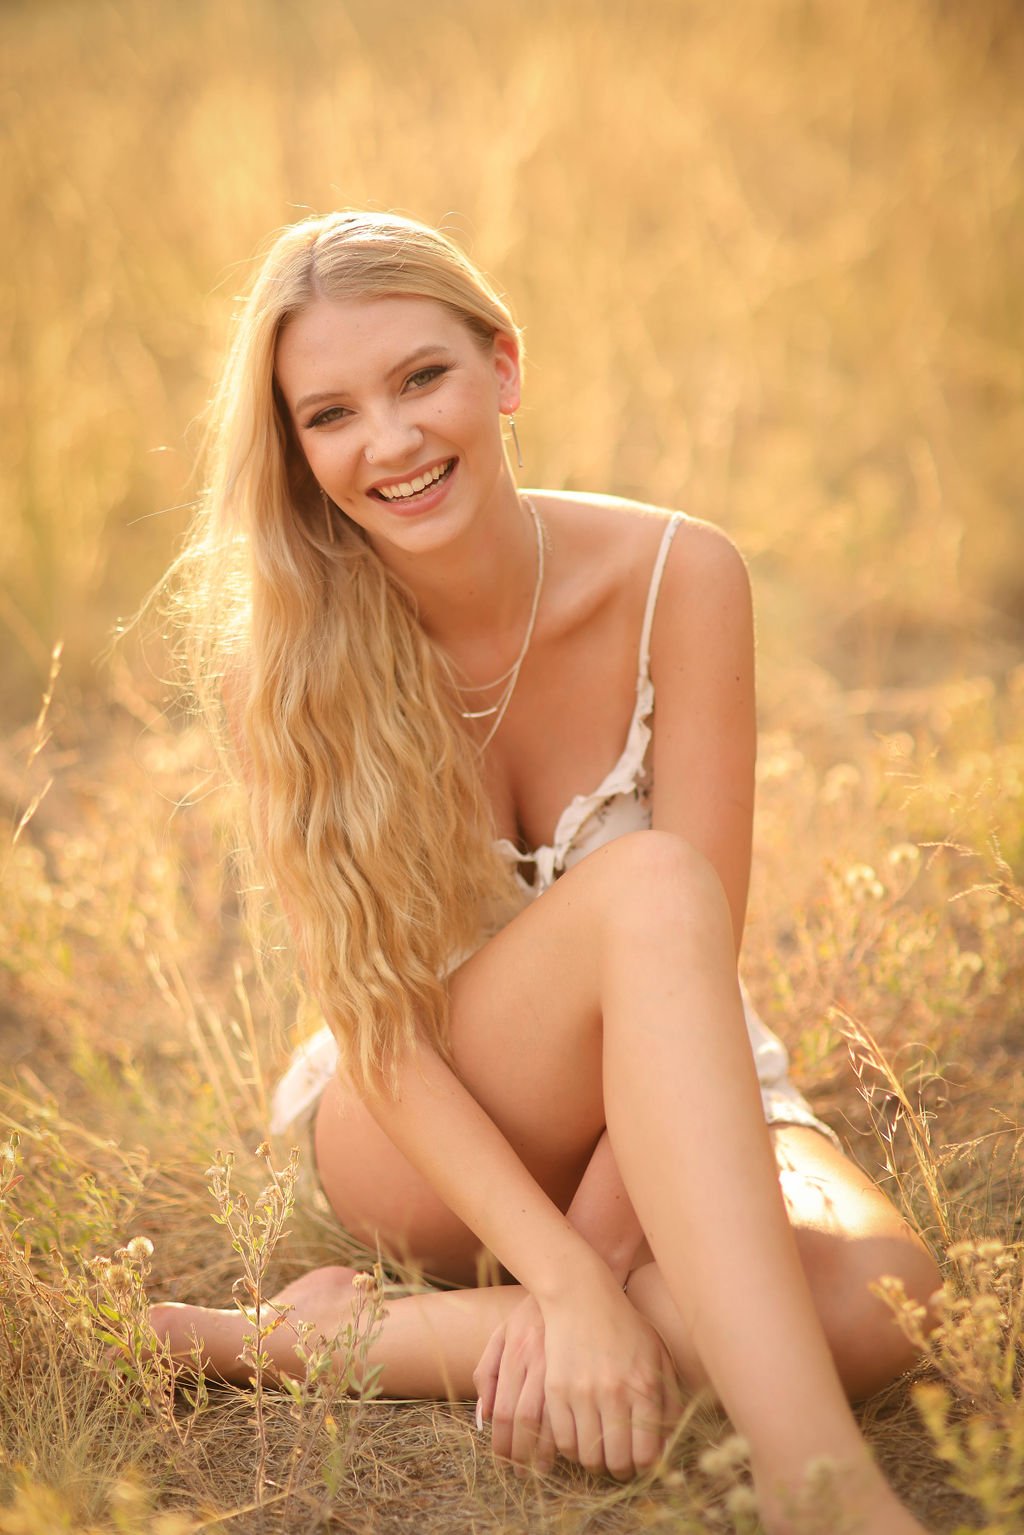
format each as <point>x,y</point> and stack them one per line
<point>391,438</point>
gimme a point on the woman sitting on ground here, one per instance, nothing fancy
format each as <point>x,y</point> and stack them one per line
<point>518,894</point>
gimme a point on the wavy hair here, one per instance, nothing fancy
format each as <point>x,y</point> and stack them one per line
<point>305,656</point>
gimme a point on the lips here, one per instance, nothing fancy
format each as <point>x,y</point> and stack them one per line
<point>408,490</point>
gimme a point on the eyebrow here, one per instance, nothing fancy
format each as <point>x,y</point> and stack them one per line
<point>430,348</point>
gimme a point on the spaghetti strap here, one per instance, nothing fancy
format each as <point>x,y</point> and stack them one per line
<point>652,595</point>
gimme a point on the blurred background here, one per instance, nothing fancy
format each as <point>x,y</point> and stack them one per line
<point>767,255</point>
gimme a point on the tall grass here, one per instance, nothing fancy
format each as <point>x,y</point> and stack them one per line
<point>767,259</point>
<point>886,926</point>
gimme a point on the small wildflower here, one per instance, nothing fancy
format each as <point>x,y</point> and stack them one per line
<point>139,1248</point>
<point>782,762</point>
<point>725,1458</point>
<point>741,1502</point>
<point>713,1463</point>
<point>863,883</point>
<point>840,782</point>
<point>904,855</point>
<point>737,1449</point>
<point>968,963</point>
<point>363,1281</point>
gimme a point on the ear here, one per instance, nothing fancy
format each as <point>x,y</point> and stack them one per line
<point>506,369</point>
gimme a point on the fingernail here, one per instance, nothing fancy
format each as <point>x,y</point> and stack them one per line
<point>479,1416</point>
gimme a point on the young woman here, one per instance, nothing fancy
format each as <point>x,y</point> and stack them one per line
<point>518,893</point>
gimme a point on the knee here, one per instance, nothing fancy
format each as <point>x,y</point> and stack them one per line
<point>646,877</point>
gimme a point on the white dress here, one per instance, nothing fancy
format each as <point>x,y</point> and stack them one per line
<point>621,803</point>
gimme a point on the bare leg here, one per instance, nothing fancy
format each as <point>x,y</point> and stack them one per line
<point>846,1232</point>
<point>681,1093</point>
<point>428,1345</point>
<point>848,1236</point>
<point>614,1000</point>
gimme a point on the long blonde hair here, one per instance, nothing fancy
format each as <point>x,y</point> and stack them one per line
<point>366,800</point>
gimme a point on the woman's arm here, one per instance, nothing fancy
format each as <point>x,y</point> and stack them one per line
<point>705,736</point>
<point>444,1133</point>
<point>509,1376</point>
<point>600,1363</point>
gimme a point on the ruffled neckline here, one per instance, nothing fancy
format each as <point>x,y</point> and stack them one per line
<point>549,857</point>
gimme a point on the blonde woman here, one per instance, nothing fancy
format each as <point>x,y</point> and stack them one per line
<point>518,894</point>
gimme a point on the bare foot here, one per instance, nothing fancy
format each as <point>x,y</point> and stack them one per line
<point>322,1297</point>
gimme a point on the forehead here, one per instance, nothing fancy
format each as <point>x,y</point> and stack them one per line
<point>336,343</point>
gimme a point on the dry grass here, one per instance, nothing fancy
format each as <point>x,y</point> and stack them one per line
<point>765,257</point>
<point>900,944</point>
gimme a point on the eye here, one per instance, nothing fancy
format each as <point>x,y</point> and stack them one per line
<point>424,376</point>
<point>329,416</point>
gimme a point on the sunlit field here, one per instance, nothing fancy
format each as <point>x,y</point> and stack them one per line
<point>768,260</point>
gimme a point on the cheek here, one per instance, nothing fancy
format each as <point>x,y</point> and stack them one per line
<point>469,415</point>
<point>328,458</point>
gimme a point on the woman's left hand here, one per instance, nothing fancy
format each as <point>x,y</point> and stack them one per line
<point>510,1386</point>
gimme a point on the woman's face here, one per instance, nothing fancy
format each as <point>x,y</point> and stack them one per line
<point>396,406</point>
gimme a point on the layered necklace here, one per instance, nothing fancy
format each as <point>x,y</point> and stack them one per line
<point>508,679</point>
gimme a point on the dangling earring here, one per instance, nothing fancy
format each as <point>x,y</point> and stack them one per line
<point>515,440</point>
<point>328,519</point>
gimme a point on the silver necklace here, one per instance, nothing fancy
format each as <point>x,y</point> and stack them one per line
<point>511,677</point>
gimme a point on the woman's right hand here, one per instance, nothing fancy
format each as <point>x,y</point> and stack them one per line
<point>610,1389</point>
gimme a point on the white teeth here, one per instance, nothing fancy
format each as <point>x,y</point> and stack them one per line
<point>414,487</point>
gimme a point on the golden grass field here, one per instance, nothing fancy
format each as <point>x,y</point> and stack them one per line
<point>768,259</point>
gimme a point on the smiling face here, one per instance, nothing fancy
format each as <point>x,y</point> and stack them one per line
<point>395,403</point>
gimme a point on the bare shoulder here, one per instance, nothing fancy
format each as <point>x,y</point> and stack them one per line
<point>705,611</point>
<point>607,545</point>
<point>703,618</point>
<point>706,565</point>
<point>596,518</point>
<point>621,538</point>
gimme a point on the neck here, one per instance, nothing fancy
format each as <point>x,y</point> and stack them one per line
<point>473,596</point>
